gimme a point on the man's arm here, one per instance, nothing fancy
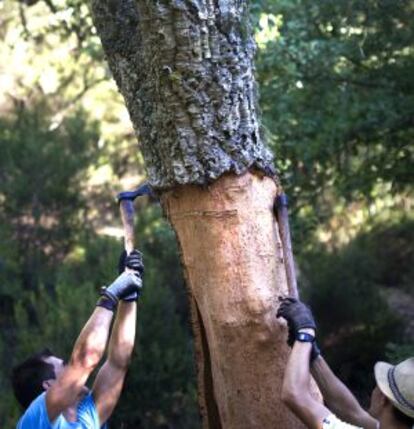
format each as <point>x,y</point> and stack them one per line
<point>91,344</point>
<point>110,379</point>
<point>296,386</point>
<point>87,353</point>
<point>338,397</point>
<point>296,391</point>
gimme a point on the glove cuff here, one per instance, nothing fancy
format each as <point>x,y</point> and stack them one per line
<point>106,302</point>
<point>131,298</point>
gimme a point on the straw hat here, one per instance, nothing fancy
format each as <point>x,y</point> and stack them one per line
<point>397,384</point>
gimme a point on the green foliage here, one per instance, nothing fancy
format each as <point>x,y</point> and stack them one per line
<point>43,162</point>
<point>337,98</point>
<point>42,165</point>
<point>398,352</point>
<point>67,19</point>
<point>363,327</point>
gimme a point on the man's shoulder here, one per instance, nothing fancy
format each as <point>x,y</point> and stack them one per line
<point>36,415</point>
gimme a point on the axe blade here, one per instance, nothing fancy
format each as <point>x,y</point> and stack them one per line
<point>144,189</point>
<point>126,206</point>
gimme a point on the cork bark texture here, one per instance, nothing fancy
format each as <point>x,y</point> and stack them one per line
<point>185,70</point>
<point>233,259</point>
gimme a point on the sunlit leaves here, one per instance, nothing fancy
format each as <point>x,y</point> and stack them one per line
<point>337,99</point>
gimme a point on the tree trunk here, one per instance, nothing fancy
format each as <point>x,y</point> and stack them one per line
<point>234,268</point>
<point>185,69</point>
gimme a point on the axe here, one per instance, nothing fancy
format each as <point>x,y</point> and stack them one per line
<point>126,206</point>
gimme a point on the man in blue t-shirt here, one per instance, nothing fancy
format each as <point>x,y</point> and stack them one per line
<point>53,393</point>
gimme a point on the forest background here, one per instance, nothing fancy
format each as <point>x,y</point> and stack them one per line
<point>337,98</point>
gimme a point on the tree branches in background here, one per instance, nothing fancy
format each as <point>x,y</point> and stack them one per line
<point>337,95</point>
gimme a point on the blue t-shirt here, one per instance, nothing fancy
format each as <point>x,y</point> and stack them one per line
<point>36,416</point>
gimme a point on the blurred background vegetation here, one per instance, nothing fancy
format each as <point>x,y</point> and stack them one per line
<point>338,110</point>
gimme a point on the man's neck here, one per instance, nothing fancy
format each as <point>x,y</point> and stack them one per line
<point>388,422</point>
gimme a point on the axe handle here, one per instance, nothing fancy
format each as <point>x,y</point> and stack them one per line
<point>127,215</point>
<point>284,231</point>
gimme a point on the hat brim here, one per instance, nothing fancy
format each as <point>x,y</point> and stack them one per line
<point>381,377</point>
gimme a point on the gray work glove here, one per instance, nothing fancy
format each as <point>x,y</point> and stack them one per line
<point>133,261</point>
<point>127,286</point>
<point>298,316</point>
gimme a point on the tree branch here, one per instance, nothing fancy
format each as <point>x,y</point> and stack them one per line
<point>51,6</point>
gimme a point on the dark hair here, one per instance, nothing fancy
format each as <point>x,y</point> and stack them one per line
<point>402,418</point>
<point>28,377</point>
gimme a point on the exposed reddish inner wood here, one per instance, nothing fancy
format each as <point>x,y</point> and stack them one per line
<point>233,260</point>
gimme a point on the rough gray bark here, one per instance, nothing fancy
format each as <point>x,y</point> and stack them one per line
<point>185,69</point>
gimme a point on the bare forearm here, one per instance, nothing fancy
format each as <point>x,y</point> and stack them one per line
<point>121,343</point>
<point>336,395</point>
<point>91,343</point>
<point>87,353</point>
<point>296,388</point>
<point>297,376</point>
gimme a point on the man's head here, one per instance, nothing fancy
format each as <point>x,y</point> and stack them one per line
<point>394,392</point>
<point>35,375</point>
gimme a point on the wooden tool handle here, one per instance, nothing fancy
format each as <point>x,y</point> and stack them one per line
<point>284,230</point>
<point>127,216</point>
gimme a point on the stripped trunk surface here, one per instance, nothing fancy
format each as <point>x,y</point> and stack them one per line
<point>233,259</point>
<point>185,69</point>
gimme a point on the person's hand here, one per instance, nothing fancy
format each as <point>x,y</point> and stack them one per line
<point>129,283</point>
<point>132,261</point>
<point>298,316</point>
<point>126,286</point>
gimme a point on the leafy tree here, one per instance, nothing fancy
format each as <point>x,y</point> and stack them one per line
<point>42,166</point>
<point>356,281</point>
<point>337,97</point>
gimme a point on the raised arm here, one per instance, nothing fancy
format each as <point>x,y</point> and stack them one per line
<point>87,352</point>
<point>296,391</point>
<point>338,397</point>
<point>296,385</point>
<point>89,347</point>
<point>110,379</point>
